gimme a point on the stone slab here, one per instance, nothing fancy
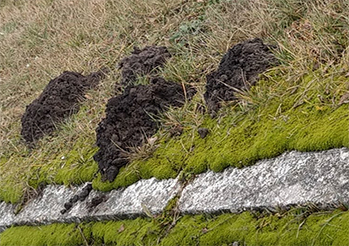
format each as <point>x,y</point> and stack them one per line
<point>292,178</point>
<point>145,196</point>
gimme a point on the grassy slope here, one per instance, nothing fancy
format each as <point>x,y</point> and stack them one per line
<point>301,104</point>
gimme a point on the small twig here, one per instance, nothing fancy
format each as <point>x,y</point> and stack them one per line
<point>299,227</point>
<point>83,236</point>
<point>325,224</point>
<point>247,85</point>
<point>229,86</point>
<point>185,91</point>
<point>119,147</point>
<point>147,211</point>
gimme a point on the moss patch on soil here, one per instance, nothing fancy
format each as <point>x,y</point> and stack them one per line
<point>294,227</point>
<point>277,116</point>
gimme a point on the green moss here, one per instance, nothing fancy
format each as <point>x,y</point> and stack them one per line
<point>228,228</point>
<point>55,234</point>
<point>72,166</point>
<point>127,232</point>
<point>78,166</point>
<point>269,126</point>
<point>11,193</point>
<point>287,228</point>
<point>271,230</point>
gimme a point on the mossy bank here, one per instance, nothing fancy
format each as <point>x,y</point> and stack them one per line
<point>298,226</point>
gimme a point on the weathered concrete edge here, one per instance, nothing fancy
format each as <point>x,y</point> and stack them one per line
<point>291,178</point>
<point>141,198</point>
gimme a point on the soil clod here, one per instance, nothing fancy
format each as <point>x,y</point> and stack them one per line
<point>68,205</point>
<point>131,120</point>
<point>237,71</point>
<point>142,62</point>
<point>59,100</point>
<point>74,199</point>
<point>176,130</point>
<point>79,197</point>
<point>96,201</point>
<point>203,132</point>
<point>85,192</point>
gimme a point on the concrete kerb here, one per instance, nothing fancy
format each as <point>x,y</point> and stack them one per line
<point>292,178</point>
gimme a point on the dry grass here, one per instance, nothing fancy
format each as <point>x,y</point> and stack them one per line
<point>40,39</point>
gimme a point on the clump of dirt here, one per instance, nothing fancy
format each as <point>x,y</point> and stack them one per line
<point>130,121</point>
<point>79,197</point>
<point>237,71</point>
<point>96,201</point>
<point>59,100</point>
<point>142,62</point>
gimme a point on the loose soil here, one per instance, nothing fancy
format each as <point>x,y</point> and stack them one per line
<point>130,121</point>
<point>59,100</point>
<point>142,62</point>
<point>79,197</point>
<point>237,71</point>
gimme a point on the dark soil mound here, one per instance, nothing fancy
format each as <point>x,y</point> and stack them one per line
<point>238,70</point>
<point>59,100</point>
<point>130,121</point>
<point>142,62</point>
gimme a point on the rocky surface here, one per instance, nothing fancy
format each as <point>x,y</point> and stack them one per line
<point>293,178</point>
